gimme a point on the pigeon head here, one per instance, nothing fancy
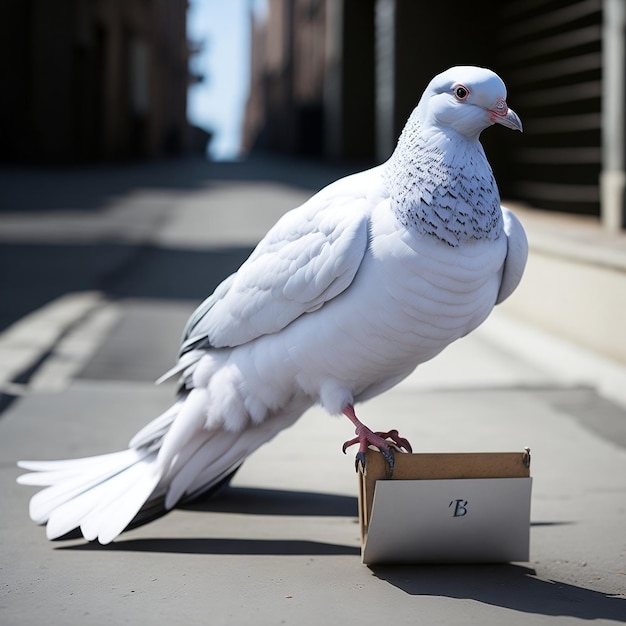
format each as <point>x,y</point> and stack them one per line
<point>466,99</point>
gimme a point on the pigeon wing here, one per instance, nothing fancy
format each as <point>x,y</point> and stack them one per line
<point>309,257</point>
<point>516,256</point>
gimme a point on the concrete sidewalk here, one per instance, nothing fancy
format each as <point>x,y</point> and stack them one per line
<point>282,544</point>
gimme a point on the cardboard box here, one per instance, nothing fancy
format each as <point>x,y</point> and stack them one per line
<point>446,508</point>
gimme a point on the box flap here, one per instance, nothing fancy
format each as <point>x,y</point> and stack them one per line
<point>483,520</point>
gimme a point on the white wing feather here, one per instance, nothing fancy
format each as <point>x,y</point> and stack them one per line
<point>309,257</point>
<point>516,256</point>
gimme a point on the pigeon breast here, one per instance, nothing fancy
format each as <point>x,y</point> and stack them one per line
<point>442,185</point>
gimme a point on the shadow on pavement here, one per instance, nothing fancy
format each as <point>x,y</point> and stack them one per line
<point>203,545</point>
<point>176,274</point>
<point>248,501</point>
<point>252,501</point>
<point>39,273</point>
<point>508,586</point>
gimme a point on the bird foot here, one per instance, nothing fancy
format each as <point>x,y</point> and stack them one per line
<point>387,443</point>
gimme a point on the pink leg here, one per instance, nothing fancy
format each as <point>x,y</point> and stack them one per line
<point>365,437</point>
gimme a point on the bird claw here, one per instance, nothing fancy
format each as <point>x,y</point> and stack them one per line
<point>359,461</point>
<point>386,442</point>
<point>388,455</point>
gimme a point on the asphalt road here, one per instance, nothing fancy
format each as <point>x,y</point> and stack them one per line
<point>101,267</point>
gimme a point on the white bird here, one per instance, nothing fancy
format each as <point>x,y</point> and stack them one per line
<point>341,300</point>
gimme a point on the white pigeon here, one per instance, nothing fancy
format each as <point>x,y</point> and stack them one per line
<point>341,300</point>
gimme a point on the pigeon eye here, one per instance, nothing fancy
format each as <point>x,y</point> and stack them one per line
<point>461,92</point>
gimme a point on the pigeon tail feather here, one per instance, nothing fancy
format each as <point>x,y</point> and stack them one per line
<point>100,494</point>
<point>106,494</point>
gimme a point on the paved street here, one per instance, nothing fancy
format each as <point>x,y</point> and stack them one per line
<point>100,268</point>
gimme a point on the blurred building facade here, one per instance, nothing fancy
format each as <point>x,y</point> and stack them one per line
<point>338,78</point>
<point>93,79</point>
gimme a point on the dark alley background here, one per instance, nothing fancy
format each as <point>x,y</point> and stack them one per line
<point>328,79</point>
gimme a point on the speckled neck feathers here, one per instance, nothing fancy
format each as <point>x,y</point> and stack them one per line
<point>441,184</point>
